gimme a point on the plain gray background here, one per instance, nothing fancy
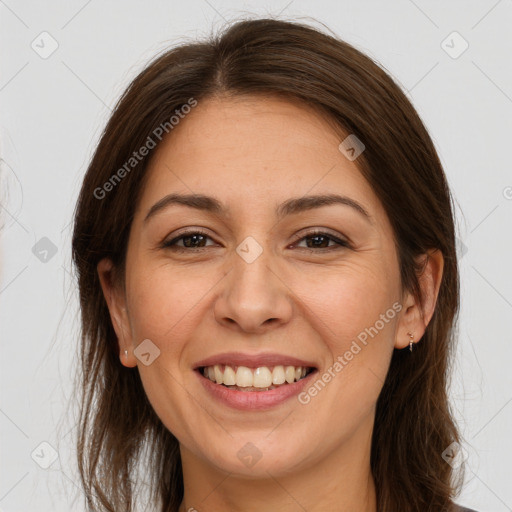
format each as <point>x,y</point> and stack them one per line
<point>53,108</point>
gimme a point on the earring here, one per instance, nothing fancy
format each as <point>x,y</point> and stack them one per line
<point>126,353</point>
<point>410,341</point>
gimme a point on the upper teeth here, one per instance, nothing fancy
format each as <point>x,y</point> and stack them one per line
<point>261,377</point>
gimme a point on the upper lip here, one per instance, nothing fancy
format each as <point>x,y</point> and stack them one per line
<point>253,360</point>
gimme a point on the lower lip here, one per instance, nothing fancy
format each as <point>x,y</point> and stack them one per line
<point>254,400</point>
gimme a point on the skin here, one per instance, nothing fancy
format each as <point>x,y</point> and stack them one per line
<point>252,154</point>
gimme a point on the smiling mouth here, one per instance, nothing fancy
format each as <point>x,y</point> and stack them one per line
<point>263,378</point>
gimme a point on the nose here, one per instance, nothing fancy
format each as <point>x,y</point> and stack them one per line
<point>254,297</point>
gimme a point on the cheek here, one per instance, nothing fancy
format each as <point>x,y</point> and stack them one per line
<point>163,305</point>
<point>352,311</point>
<point>164,301</point>
<point>355,316</point>
<point>348,299</point>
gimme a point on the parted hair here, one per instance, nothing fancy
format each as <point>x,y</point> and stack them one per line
<point>268,57</point>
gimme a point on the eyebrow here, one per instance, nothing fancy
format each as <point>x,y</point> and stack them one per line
<point>288,207</point>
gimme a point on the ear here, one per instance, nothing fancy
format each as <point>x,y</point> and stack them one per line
<point>116,303</point>
<point>416,317</point>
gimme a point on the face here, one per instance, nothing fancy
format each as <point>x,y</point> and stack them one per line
<point>257,273</point>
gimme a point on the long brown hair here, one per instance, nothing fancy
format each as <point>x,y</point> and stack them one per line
<point>413,423</point>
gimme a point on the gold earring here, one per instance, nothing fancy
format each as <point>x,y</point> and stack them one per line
<point>410,341</point>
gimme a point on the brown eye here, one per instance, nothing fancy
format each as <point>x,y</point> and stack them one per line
<point>322,240</point>
<point>190,240</point>
<point>318,241</point>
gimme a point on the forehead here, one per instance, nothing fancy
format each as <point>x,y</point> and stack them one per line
<point>259,149</point>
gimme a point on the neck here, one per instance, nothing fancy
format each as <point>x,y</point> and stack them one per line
<point>340,481</point>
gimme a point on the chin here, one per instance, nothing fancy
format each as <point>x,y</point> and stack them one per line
<point>257,458</point>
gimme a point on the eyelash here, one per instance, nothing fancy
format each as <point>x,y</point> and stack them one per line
<point>171,244</point>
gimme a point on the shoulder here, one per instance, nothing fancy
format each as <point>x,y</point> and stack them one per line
<point>463,509</point>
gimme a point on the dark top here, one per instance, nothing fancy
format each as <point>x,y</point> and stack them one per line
<point>461,509</point>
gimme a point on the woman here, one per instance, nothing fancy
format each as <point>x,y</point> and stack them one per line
<point>269,288</point>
